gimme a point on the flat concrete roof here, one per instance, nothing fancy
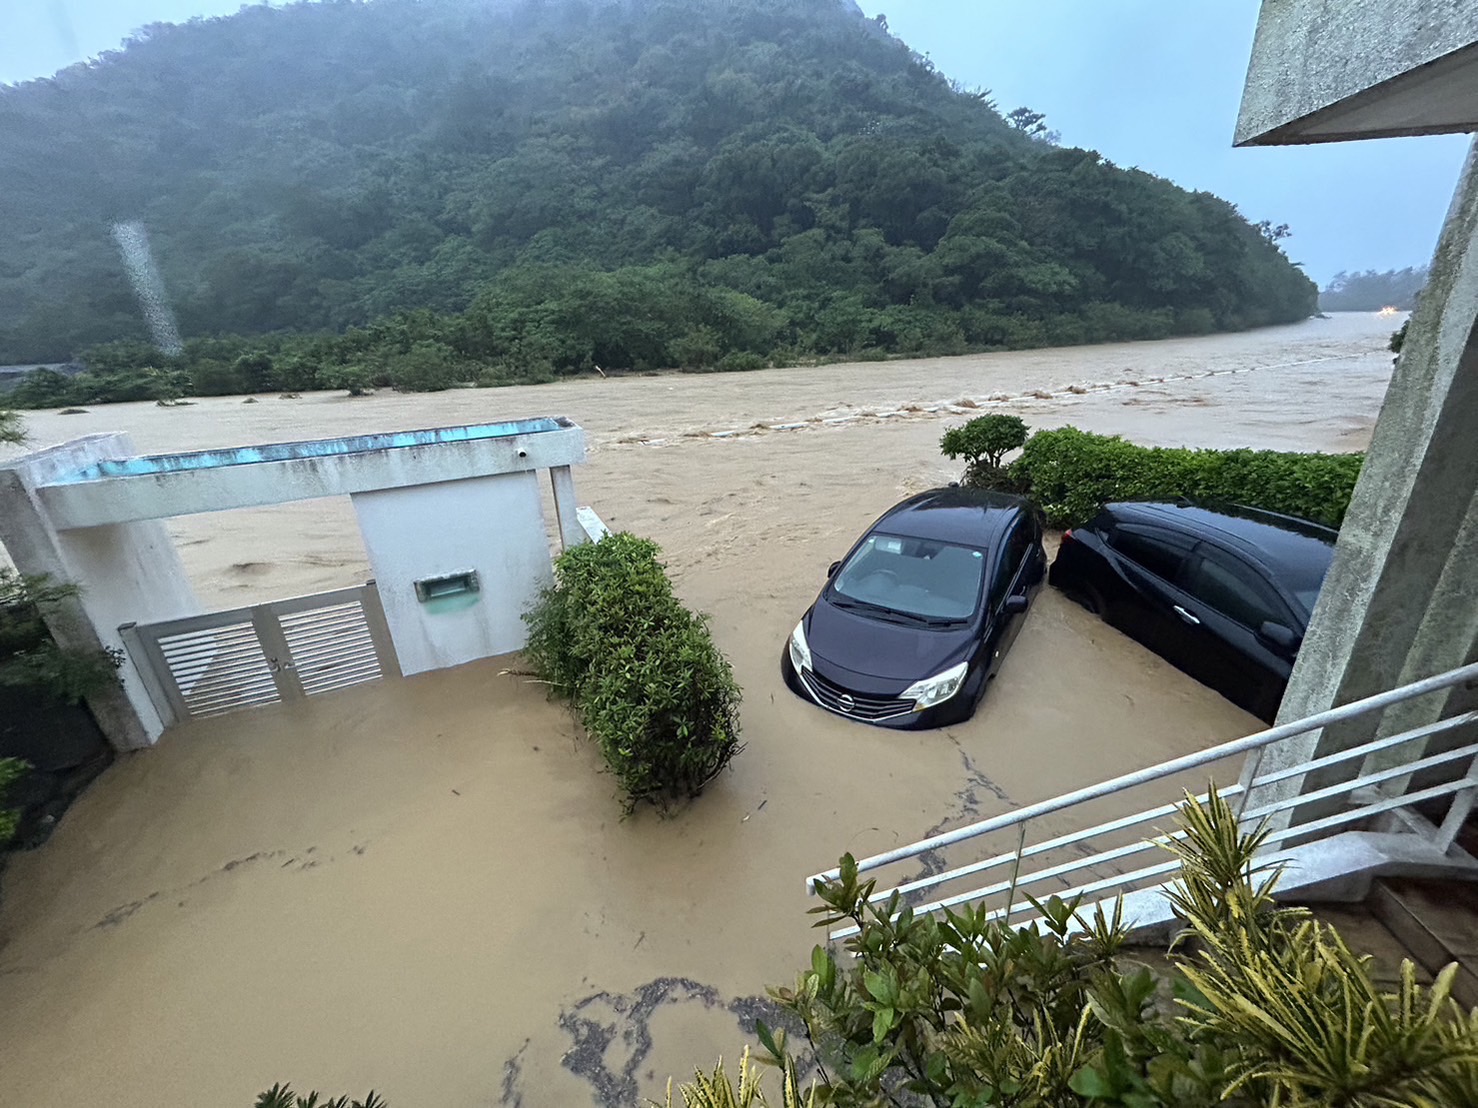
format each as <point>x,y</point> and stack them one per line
<point>1333,70</point>
<point>160,486</point>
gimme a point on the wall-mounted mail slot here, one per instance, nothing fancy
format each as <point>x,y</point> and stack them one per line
<point>452,584</point>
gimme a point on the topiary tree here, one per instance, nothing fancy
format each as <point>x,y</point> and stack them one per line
<point>984,443</point>
<point>641,671</point>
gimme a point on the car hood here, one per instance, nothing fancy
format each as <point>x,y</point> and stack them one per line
<point>874,648</point>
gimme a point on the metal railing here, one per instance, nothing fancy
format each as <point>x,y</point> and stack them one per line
<point>1058,864</point>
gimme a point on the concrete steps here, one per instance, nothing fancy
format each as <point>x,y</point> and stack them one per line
<point>1435,922</point>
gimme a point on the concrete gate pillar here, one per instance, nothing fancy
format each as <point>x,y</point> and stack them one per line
<point>124,571</point>
<point>1401,599</point>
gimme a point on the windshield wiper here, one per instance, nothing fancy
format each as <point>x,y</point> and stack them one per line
<point>898,616</point>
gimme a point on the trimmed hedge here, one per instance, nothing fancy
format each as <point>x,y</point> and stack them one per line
<point>640,670</point>
<point>1071,474</point>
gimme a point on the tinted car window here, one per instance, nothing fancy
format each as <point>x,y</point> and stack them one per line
<point>1234,589</point>
<point>1157,551</point>
<point>1015,548</point>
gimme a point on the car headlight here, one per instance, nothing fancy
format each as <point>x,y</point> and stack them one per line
<point>937,689</point>
<point>800,652</point>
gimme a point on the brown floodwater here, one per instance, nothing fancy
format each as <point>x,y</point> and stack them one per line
<point>427,887</point>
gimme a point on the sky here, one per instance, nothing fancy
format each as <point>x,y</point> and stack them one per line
<point>1147,83</point>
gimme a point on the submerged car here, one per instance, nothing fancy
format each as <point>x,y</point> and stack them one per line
<point>915,620</point>
<point>1223,593</point>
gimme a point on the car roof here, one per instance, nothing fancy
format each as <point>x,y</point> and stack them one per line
<point>954,514</point>
<point>1278,541</point>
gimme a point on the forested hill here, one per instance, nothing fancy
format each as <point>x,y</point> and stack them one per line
<point>561,182</point>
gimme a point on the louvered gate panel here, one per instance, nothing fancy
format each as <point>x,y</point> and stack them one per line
<point>217,669</point>
<point>209,664</point>
<point>331,648</point>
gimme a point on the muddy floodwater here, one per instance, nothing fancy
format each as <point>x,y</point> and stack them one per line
<point>426,886</point>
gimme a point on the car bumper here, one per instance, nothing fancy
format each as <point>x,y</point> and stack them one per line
<point>957,708</point>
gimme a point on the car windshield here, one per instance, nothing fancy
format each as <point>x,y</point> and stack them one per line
<point>917,577</point>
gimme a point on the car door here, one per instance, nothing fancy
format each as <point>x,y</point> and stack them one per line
<point>1149,561</point>
<point>1016,573</point>
<point>1230,598</point>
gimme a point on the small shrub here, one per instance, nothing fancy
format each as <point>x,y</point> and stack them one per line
<point>1071,474</point>
<point>30,659</point>
<point>425,367</point>
<point>357,380</point>
<point>984,441</point>
<point>641,671</point>
<point>740,361</point>
<point>1398,338</point>
<point>959,1008</point>
<point>12,429</point>
<point>282,1096</point>
<point>11,771</point>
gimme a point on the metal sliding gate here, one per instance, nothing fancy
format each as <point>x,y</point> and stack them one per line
<point>220,661</point>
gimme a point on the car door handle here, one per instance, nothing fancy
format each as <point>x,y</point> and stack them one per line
<point>1189,617</point>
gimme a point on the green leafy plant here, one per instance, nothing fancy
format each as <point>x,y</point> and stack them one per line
<point>12,430</point>
<point>717,1090</point>
<point>1300,1016</point>
<point>984,443</point>
<point>1071,474</point>
<point>28,656</point>
<point>11,771</point>
<point>641,671</point>
<point>282,1096</point>
<point>1269,1007</point>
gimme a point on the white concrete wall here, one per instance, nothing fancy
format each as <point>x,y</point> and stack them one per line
<point>494,525</point>
<point>130,573</point>
<point>216,487</point>
<point>126,572</point>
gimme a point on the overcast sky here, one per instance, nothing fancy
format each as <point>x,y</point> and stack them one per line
<point>1149,83</point>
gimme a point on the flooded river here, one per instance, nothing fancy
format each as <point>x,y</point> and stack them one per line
<point>426,886</point>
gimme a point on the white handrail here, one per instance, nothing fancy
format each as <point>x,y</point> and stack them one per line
<point>1464,787</point>
<point>1256,741</point>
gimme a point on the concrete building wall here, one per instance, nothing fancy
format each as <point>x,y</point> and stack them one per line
<point>126,573</point>
<point>1329,70</point>
<point>493,525</point>
<point>1400,601</point>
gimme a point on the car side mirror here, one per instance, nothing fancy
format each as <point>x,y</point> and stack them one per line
<point>1276,637</point>
<point>1016,604</point>
<point>832,569</point>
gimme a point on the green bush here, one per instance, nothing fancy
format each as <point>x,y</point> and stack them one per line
<point>425,367</point>
<point>12,429</point>
<point>1269,1007</point>
<point>1071,474</point>
<point>740,361</point>
<point>641,671</point>
<point>282,1096</point>
<point>11,771</point>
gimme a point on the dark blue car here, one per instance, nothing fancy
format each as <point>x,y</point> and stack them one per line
<point>915,620</point>
<point>1222,592</point>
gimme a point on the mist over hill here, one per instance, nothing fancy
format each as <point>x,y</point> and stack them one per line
<point>535,186</point>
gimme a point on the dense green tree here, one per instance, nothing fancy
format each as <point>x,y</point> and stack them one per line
<point>568,183</point>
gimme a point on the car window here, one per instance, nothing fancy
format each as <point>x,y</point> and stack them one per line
<point>1013,550</point>
<point>1234,589</point>
<point>1160,552</point>
<point>915,576</point>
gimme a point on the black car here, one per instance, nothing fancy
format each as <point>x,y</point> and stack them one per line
<point>1222,593</point>
<point>915,619</point>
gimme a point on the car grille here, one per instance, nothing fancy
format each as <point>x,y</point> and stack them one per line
<point>853,705</point>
